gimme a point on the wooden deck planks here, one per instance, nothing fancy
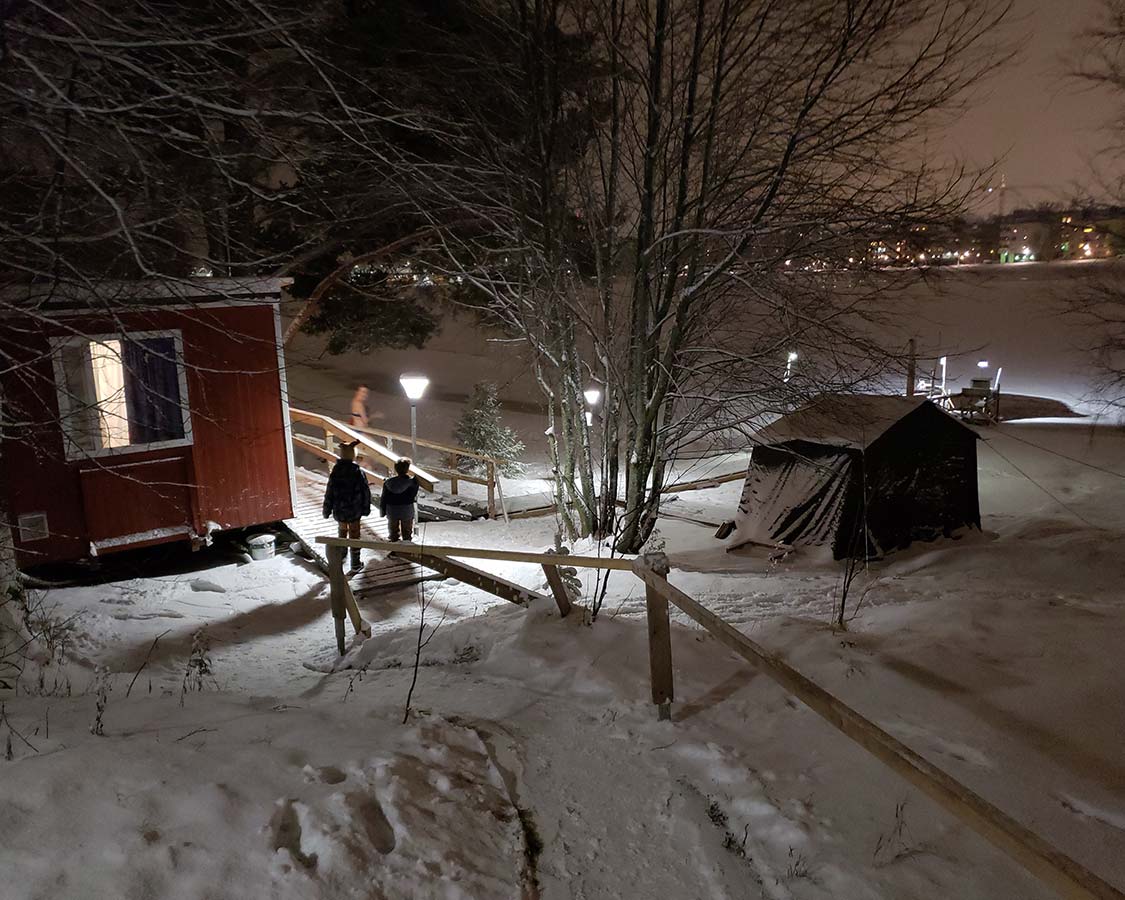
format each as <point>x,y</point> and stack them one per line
<point>308,523</point>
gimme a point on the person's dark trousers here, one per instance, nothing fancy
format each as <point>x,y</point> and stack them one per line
<point>400,529</point>
<point>351,530</point>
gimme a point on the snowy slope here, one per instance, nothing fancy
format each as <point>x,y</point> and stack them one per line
<point>533,764</point>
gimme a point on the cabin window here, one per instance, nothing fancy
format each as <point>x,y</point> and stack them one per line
<point>120,392</point>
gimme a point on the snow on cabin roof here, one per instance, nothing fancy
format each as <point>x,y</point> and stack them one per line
<point>91,293</point>
<point>846,420</point>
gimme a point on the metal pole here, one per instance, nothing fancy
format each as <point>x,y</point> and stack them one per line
<point>414,431</point>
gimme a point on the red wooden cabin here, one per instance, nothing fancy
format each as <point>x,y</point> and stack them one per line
<point>164,417</point>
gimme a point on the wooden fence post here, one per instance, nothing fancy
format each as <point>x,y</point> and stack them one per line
<point>491,490</point>
<point>338,584</point>
<point>659,638</point>
<point>558,588</point>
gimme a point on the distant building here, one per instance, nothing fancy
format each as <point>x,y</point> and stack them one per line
<point>1026,241</point>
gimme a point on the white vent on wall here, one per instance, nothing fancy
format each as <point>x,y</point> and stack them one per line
<point>33,527</point>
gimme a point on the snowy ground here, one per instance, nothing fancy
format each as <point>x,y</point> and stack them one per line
<point>533,764</point>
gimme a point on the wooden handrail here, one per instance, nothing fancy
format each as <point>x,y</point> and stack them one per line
<point>316,446</point>
<point>432,445</point>
<point>329,456</point>
<point>619,563</point>
<point>1065,875</point>
<point>700,483</point>
<point>383,454</point>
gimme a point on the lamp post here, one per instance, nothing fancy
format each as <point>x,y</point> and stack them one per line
<point>414,386</point>
<point>592,395</point>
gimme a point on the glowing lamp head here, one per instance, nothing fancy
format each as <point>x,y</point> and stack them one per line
<point>414,385</point>
<point>593,395</point>
<point>792,356</point>
<point>983,364</point>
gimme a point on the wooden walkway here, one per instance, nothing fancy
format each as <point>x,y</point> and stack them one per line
<point>308,524</point>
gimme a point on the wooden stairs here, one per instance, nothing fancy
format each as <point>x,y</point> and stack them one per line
<point>308,523</point>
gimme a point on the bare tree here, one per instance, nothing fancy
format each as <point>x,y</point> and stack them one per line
<point>671,219</point>
<point>1099,303</point>
<point>159,141</point>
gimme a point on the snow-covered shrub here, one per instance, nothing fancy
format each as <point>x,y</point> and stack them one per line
<point>101,699</point>
<point>198,665</point>
<point>569,575</point>
<point>481,430</point>
<point>656,542</point>
<point>32,633</point>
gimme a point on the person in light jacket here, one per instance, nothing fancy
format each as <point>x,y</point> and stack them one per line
<point>397,501</point>
<point>348,497</point>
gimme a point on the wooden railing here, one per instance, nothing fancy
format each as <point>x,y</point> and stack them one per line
<point>386,456</point>
<point>491,479</point>
<point>1066,876</point>
<point>367,448</point>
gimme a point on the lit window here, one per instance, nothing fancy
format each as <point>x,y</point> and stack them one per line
<point>121,392</point>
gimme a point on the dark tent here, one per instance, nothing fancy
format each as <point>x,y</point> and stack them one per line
<point>899,465</point>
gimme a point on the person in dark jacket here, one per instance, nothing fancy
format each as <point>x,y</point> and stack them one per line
<point>397,501</point>
<point>348,497</point>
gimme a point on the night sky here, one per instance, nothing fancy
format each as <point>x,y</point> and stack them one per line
<point>1045,127</point>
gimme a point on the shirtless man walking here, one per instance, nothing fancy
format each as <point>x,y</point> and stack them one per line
<point>359,406</point>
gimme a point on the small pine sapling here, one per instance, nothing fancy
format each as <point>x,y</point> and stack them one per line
<point>481,430</point>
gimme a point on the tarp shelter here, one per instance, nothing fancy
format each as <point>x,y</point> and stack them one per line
<point>863,474</point>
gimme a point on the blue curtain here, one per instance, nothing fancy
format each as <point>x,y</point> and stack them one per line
<point>152,390</point>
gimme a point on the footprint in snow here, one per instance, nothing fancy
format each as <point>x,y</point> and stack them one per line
<point>325,774</point>
<point>369,812</point>
<point>285,826</point>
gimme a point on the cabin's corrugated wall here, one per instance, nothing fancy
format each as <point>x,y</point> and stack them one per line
<point>235,473</point>
<point>241,459</point>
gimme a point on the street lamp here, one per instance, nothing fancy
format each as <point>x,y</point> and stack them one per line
<point>792,358</point>
<point>414,386</point>
<point>943,361</point>
<point>592,395</point>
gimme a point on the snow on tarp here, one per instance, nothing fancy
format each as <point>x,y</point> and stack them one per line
<point>842,420</point>
<point>788,497</point>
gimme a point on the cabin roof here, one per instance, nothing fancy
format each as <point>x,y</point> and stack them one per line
<point>96,295</point>
<point>844,420</point>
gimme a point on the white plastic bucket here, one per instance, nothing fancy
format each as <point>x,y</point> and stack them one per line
<point>261,546</point>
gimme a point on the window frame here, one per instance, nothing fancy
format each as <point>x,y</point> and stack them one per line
<point>67,407</point>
